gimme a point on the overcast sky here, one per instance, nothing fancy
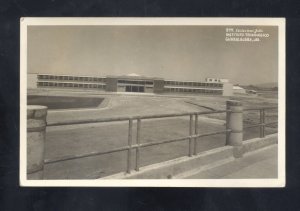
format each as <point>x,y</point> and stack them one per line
<point>171,52</point>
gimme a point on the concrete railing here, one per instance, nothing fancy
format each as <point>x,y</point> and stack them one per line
<point>234,123</point>
<point>36,129</point>
<point>36,126</point>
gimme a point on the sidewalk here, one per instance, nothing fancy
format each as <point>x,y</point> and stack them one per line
<point>255,165</point>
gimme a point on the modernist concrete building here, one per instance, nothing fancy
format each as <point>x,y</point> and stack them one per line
<point>131,83</point>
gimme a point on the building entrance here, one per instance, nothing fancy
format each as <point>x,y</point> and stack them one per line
<point>135,89</point>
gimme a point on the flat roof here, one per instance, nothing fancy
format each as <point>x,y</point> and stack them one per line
<point>90,76</point>
<point>134,77</point>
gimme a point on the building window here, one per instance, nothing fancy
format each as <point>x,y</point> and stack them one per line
<point>149,82</point>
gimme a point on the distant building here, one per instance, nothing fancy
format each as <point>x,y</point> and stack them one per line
<point>216,80</point>
<point>239,90</point>
<point>252,91</point>
<point>130,83</point>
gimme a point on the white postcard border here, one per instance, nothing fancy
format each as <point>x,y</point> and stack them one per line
<point>280,182</point>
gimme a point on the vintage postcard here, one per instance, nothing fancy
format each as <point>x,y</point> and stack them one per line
<point>161,102</point>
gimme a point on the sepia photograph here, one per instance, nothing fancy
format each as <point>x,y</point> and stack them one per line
<point>160,102</point>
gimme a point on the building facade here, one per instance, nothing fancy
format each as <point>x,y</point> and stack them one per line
<point>130,83</point>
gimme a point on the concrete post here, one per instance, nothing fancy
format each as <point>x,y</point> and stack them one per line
<point>234,122</point>
<point>36,129</point>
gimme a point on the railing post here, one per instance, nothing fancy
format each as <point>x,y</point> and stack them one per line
<point>262,122</point>
<point>129,145</point>
<point>196,133</point>
<point>191,133</point>
<point>234,123</point>
<point>138,134</point>
<point>36,133</point>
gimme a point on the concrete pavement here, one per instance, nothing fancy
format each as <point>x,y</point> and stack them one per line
<point>259,164</point>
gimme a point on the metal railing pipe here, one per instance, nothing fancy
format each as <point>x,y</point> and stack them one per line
<point>262,122</point>
<point>138,132</point>
<point>190,138</point>
<point>129,146</point>
<point>116,119</point>
<point>196,133</point>
<point>256,109</point>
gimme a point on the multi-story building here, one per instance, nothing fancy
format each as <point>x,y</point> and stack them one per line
<point>130,83</point>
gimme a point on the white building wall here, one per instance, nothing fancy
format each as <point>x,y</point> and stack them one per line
<point>31,80</point>
<point>223,80</point>
<point>227,89</point>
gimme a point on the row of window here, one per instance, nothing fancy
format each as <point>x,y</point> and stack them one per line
<point>193,84</point>
<point>146,86</point>
<point>208,91</point>
<point>213,80</point>
<point>71,85</point>
<point>70,78</point>
<point>135,82</point>
<point>142,82</point>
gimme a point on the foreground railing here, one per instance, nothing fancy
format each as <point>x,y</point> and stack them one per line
<point>192,137</point>
<point>233,131</point>
<point>262,120</point>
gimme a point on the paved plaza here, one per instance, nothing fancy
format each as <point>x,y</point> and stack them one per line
<point>255,165</point>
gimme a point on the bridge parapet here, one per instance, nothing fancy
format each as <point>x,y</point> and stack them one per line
<point>36,129</point>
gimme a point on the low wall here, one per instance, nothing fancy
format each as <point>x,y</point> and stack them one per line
<point>180,167</point>
<point>258,143</point>
<point>36,132</point>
